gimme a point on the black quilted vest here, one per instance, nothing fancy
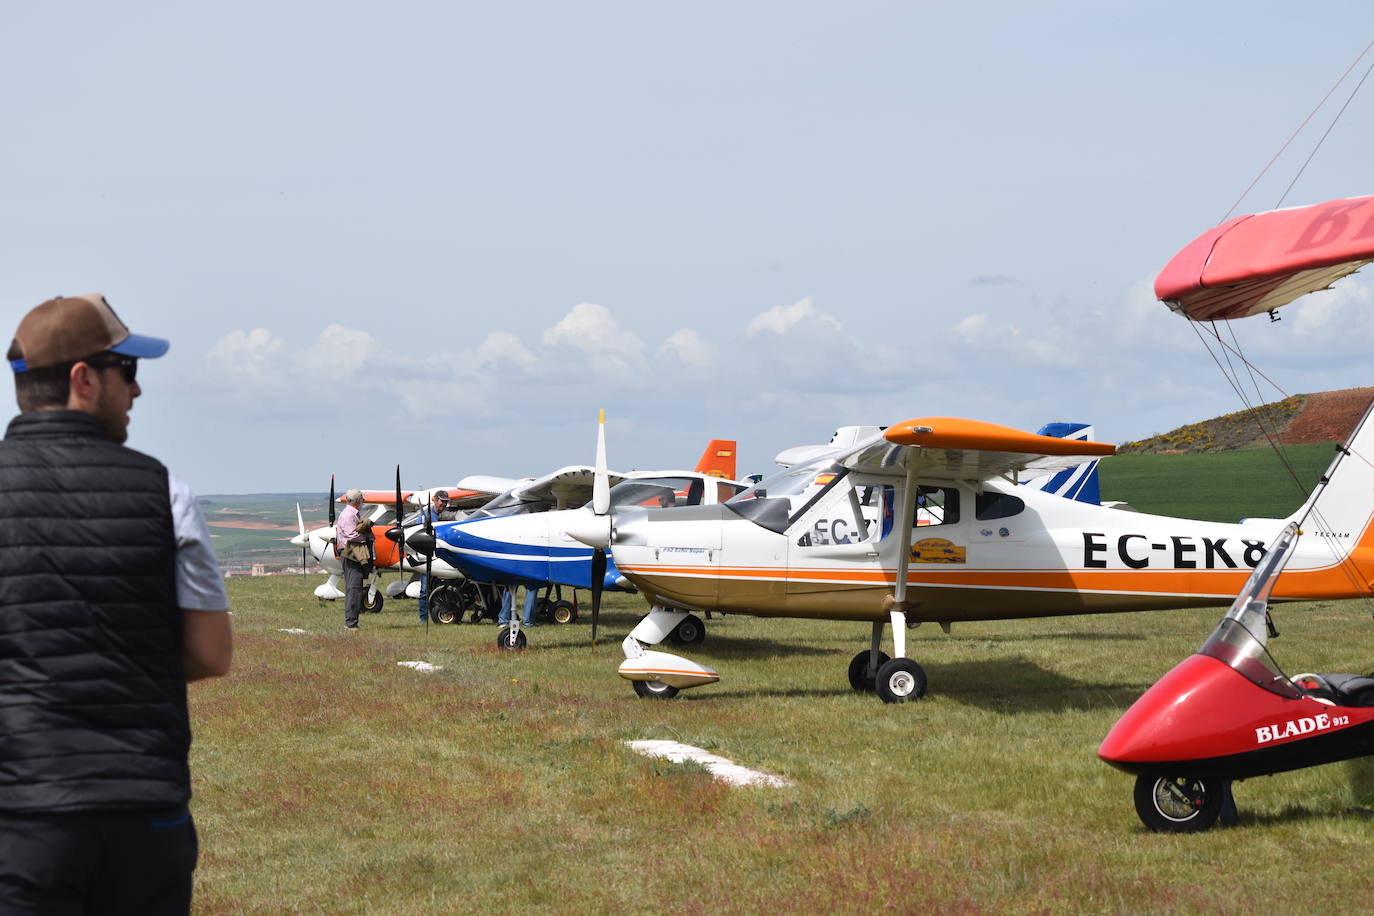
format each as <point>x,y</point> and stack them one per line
<point>92,694</point>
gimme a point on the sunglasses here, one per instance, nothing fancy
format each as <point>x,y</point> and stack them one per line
<point>128,365</point>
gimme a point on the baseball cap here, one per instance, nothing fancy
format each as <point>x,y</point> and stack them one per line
<point>70,328</point>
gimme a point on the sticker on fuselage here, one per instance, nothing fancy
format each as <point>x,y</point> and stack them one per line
<point>938,550</point>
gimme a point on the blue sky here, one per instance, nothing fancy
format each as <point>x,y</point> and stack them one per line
<point>446,234</point>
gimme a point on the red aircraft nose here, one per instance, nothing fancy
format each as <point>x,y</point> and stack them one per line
<point>1200,710</point>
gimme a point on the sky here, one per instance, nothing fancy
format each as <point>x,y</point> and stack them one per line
<point>445,234</point>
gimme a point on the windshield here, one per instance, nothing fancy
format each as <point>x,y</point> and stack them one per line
<point>506,504</point>
<point>658,492</point>
<point>776,500</point>
<point>1242,637</point>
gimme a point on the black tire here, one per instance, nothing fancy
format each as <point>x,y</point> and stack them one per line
<point>899,680</point>
<point>443,603</point>
<point>858,671</point>
<point>1178,804</point>
<point>564,612</point>
<point>543,611</point>
<point>503,639</point>
<point>375,605</point>
<point>690,631</point>
<point>654,690</point>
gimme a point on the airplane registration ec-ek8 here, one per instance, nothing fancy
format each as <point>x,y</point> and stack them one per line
<point>924,522</point>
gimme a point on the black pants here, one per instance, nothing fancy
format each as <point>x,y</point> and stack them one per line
<point>353,591</point>
<point>97,862</point>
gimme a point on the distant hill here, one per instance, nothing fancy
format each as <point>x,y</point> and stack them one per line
<point>1303,419</point>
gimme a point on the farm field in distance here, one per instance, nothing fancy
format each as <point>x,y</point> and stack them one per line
<point>330,779</point>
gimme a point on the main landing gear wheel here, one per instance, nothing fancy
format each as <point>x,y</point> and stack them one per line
<point>564,612</point>
<point>375,605</point>
<point>445,605</point>
<point>899,680</point>
<point>653,690</point>
<point>1178,804</point>
<point>858,671</point>
<point>543,611</point>
<point>689,632</point>
<point>503,640</point>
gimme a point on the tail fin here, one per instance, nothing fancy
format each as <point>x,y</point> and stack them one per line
<point>1076,483</point>
<point>1341,508</point>
<point>719,459</point>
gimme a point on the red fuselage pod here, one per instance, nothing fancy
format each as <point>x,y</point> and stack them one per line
<point>1204,718</point>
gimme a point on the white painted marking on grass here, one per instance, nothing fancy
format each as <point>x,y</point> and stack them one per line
<point>290,630</point>
<point>719,767</point>
<point>421,666</point>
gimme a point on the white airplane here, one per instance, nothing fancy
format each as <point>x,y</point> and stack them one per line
<point>958,540</point>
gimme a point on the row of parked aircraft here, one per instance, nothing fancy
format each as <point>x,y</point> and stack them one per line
<point>942,519</point>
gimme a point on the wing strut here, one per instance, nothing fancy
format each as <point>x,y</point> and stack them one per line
<point>897,603</point>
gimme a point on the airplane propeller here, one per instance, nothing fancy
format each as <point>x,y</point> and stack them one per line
<point>601,504</point>
<point>331,500</point>
<point>304,538</point>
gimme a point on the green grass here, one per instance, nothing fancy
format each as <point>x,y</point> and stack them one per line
<point>329,779</point>
<point>1220,486</point>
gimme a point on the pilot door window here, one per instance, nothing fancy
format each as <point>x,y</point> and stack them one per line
<point>849,515</point>
<point>936,506</point>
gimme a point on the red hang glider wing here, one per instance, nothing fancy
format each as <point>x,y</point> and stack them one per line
<point>1257,263</point>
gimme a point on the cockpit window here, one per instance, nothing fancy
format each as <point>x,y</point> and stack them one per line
<point>658,492</point>
<point>789,493</point>
<point>990,505</point>
<point>506,505</point>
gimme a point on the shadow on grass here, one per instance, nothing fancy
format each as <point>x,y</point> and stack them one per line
<point>1008,685</point>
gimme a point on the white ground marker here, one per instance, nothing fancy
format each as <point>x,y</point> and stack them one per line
<point>719,767</point>
<point>421,666</point>
<point>290,630</point>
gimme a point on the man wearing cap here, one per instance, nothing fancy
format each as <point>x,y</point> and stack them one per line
<point>110,602</point>
<point>436,511</point>
<point>351,537</point>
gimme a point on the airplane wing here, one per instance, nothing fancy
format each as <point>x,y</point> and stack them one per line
<point>1259,262</point>
<point>568,487</point>
<point>950,448</point>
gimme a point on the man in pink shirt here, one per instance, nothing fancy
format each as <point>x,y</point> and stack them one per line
<point>346,533</point>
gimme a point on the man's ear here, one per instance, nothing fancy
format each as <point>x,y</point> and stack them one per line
<point>85,387</point>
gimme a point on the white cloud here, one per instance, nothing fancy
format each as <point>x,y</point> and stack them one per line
<point>970,327</point>
<point>592,329</point>
<point>783,319</point>
<point>686,346</point>
<point>502,351</point>
<point>253,359</point>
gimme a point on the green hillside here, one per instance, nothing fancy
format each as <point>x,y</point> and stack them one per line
<point>1221,486</point>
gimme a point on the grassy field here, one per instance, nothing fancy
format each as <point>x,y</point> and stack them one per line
<point>329,779</point>
<point>1218,486</point>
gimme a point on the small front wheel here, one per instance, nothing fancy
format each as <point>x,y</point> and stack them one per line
<point>372,601</point>
<point>1178,804</point>
<point>504,641</point>
<point>654,690</point>
<point>900,680</point>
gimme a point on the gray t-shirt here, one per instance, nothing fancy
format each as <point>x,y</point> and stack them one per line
<point>200,586</point>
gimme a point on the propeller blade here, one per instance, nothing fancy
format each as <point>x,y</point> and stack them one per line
<point>331,499</point>
<point>300,522</point>
<point>598,580</point>
<point>601,488</point>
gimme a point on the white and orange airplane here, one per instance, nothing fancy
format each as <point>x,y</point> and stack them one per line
<point>923,522</point>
